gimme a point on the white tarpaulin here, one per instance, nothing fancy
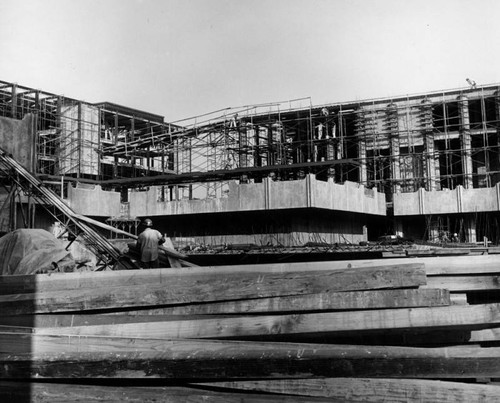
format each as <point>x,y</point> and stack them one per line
<point>30,251</point>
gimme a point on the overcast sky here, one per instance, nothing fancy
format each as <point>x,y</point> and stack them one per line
<point>181,58</point>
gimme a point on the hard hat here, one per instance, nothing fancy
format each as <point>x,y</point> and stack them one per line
<point>148,223</point>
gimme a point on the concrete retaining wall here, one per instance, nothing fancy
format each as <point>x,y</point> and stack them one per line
<point>458,200</point>
<point>93,201</point>
<point>268,195</point>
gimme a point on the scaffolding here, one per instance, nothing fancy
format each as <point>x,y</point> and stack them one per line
<point>435,140</point>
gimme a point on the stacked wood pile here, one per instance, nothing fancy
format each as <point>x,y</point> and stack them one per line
<point>363,331</point>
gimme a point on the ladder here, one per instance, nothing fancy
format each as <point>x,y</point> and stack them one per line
<point>74,225</point>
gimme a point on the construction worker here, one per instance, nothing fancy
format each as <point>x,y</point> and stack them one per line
<point>148,241</point>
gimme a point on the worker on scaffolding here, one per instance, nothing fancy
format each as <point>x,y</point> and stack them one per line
<point>149,242</point>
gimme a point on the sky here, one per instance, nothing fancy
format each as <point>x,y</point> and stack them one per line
<point>182,58</point>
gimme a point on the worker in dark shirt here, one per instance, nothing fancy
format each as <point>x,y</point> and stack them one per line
<point>149,241</point>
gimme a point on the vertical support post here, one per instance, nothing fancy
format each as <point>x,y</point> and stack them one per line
<point>132,138</point>
<point>465,141</point>
<point>58,124</point>
<point>80,142</point>
<point>471,229</point>
<point>115,142</point>
<point>257,157</point>
<point>496,177</point>
<point>362,159</point>
<point>148,158</point>
<point>13,109</point>
<point>100,129</point>
<point>361,135</point>
<point>393,126</point>
<point>270,145</point>
<point>242,145</point>
<point>429,149</point>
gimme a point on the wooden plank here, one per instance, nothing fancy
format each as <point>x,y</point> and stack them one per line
<point>328,301</point>
<point>485,335</point>
<point>10,340</point>
<point>371,390</point>
<point>465,283</point>
<point>210,360</point>
<point>60,392</point>
<point>18,343</point>
<point>458,299</point>
<point>209,288</point>
<point>349,300</point>
<point>438,252</point>
<point>46,282</point>
<point>70,281</point>
<point>455,316</point>
<point>64,320</point>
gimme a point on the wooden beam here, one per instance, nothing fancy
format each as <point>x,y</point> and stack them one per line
<point>14,342</point>
<point>369,389</point>
<point>209,288</point>
<point>485,335</point>
<point>454,317</point>
<point>433,266</point>
<point>465,283</point>
<point>224,360</point>
<point>327,301</point>
<point>458,298</point>
<point>61,392</point>
<point>59,281</point>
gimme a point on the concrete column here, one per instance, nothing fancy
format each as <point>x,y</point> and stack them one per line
<point>496,177</point>
<point>361,134</point>
<point>470,224</point>
<point>362,160</point>
<point>465,140</point>
<point>14,101</point>
<point>428,135</point>
<point>243,146</point>
<point>393,133</point>
<point>270,145</point>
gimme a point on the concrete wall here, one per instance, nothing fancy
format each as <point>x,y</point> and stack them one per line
<point>17,138</point>
<point>458,200</point>
<point>268,195</point>
<point>93,201</point>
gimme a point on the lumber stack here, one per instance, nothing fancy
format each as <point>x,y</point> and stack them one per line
<point>419,329</point>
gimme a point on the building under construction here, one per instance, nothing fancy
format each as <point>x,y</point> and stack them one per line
<point>423,166</point>
<point>289,181</point>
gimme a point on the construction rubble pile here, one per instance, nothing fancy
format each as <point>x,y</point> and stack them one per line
<point>398,330</point>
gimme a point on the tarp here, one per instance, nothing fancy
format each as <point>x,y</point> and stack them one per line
<point>30,251</point>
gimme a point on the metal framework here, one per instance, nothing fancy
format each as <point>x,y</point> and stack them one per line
<point>434,140</point>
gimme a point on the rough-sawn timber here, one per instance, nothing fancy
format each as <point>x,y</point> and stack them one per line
<point>189,288</point>
<point>198,360</point>
<point>454,316</point>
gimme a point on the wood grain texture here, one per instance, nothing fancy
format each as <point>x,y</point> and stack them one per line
<point>328,301</point>
<point>371,390</point>
<point>445,265</point>
<point>88,280</point>
<point>178,289</point>
<point>195,359</point>
<point>465,283</point>
<point>455,316</point>
<point>66,393</point>
<point>349,300</point>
